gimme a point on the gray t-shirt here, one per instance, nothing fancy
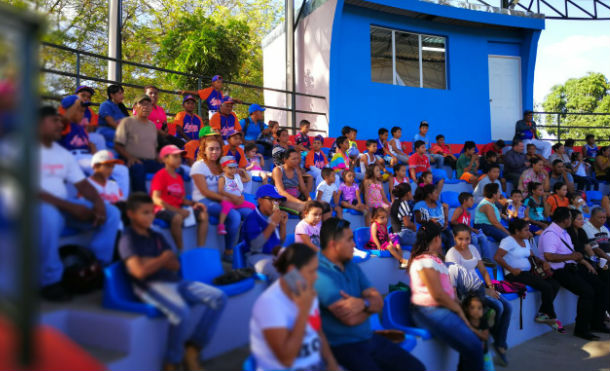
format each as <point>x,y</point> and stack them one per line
<point>478,191</point>
<point>138,137</point>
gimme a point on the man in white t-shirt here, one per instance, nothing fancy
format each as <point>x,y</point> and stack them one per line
<point>597,233</point>
<point>57,210</point>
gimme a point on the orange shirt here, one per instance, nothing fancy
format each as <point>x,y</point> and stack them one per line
<point>239,155</point>
<point>223,124</point>
<point>191,148</point>
<point>555,201</point>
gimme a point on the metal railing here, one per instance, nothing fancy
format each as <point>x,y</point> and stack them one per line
<point>561,128</point>
<point>78,76</point>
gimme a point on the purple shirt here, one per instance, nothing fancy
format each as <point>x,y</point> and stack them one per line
<point>348,193</point>
<point>551,242</point>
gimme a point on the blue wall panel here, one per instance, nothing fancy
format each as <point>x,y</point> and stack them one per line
<point>461,112</point>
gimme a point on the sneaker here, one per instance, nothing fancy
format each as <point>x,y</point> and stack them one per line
<point>501,359</point>
<point>544,318</point>
<point>557,326</point>
<point>55,292</point>
<point>221,229</point>
<point>490,317</point>
<point>403,264</point>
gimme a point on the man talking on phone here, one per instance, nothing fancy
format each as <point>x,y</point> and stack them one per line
<point>263,230</point>
<point>347,299</point>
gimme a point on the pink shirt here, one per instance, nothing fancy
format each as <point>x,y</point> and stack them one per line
<point>420,294</point>
<point>157,116</point>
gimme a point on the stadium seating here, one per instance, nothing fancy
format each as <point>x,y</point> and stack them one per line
<point>594,198</point>
<point>118,293</point>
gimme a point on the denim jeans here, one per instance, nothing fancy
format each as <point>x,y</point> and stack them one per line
<point>503,311</point>
<point>406,237</point>
<point>482,244</point>
<point>234,218</point>
<point>52,223</point>
<point>439,160</point>
<point>137,174</point>
<point>193,310</point>
<point>491,231</point>
<point>376,353</point>
<point>447,326</point>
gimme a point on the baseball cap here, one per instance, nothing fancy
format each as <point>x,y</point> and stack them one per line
<point>227,99</point>
<point>319,138</point>
<point>216,78</point>
<point>68,101</point>
<point>170,149</point>
<point>85,88</point>
<point>104,157</point>
<point>269,190</point>
<point>255,107</point>
<point>232,132</point>
<point>207,131</point>
<point>140,98</point>
<point>188,97</point>
<point>228,161</point>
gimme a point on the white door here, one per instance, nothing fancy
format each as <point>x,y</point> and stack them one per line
<point>504,95</point>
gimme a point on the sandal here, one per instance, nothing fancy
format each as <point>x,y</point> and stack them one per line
<point>557,326</point>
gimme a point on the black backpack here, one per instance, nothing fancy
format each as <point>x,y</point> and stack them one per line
<point>83,273</point>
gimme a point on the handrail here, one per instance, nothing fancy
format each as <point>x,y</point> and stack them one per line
<point>66,48</point>
<point>559,127</point>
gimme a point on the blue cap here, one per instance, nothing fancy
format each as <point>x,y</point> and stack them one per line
<point>268,190</point>
<point>68,101</point>
<point>86,88</point>
<point>255,107</point>
<point>189,97</point>
<point>216,78</point>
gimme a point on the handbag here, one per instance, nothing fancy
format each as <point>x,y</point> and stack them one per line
<point>538,269</point>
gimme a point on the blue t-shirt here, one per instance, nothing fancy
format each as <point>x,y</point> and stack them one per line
<point>74,137</point>
<point>331,280</point>
<point>252,234</point>
<point>151,246</point>
<point>254,128</point>
<point>423,139</point>
<point>536,211</point>
<point>109,108</point>
<point>428,213</point>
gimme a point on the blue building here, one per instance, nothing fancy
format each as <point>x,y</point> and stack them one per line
<point>467,70</point>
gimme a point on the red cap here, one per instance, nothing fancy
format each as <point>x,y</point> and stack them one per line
<point>170,149</point>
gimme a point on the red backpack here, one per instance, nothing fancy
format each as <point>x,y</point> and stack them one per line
<point>518,288</point>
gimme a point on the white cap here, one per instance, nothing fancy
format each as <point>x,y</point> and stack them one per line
<point>104,157</point>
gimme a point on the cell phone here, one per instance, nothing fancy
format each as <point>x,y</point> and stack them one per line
<point>294,280</point>
<point>276,206</point>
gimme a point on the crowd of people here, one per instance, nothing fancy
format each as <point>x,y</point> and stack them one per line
<point>315,314</point>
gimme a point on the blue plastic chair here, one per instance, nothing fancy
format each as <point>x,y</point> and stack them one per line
<point>438,174</point>
<point>397,313</point>
<point>361,237</point>
<point>69,232</point>
<point>289,239</point>
<point>249,364</point>
<point>594,197</point>
<point>325,151</point>
<point>239,255</point>
<point>450,198</point>
<point>118,293</point>
<point>250,198</point>
<point>203,265</point>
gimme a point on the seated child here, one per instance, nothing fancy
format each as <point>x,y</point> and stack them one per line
<point>301,140</point>
<point>383,151</point>
<point>427,178</point>
<point>307,230</point>
<point>369,157</point>
<point>349,193</point>
<point>380,238</point>
<point>168,193</point>
<point>230,186</point>
<point>577,202</point>
<point>401,215</point>
<point>399,177</point>
<point>395,146</point>
<point>582,173</point>
<point>327,194</point>
<point>461,215</point>
<point>467,164</point>
<point>437,159</point>
<point>103,165</point>
<point>375,195</point>
<point>154,271</point>
<point>255,162</point>
<point>515,208</point>
<point>316,160</point>
<point>472,306</point>
<point>440,148</point>
<point>535,211</point>
<point>569,147</point>
<point>589,150</point>
<point>559,198</point>
<point>352,151</point>
<point>419,161</point>
<point>187,122</point>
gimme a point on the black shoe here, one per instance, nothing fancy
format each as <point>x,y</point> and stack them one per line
<point>55,292</point>
<point>603,329</point>
<point>586,335</point>
<point>488,263</point>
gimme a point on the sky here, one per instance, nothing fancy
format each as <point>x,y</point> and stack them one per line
<point>568,49</point>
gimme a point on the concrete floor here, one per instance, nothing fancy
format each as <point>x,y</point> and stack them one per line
<point>551,351</point>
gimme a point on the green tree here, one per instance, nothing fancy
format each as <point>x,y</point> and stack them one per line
<point>588,94</point>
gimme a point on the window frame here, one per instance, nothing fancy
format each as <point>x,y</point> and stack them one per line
<point>420,56</point>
